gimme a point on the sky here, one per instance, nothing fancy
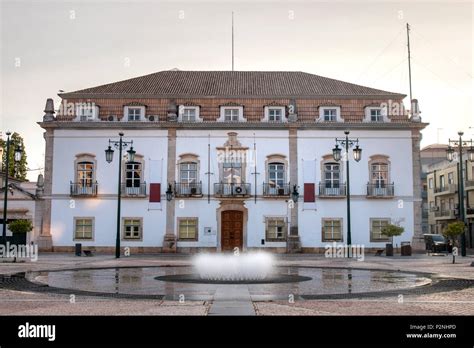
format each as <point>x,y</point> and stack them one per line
<point>47,46</point>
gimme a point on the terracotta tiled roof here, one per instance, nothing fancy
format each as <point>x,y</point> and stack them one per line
<point>231,84</point>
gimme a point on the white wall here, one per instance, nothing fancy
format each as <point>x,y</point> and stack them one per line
<point>152,144</point>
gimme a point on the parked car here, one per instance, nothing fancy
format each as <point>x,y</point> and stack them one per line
<point>436,243</point>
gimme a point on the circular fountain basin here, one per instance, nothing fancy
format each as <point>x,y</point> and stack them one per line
<point>172,282</point>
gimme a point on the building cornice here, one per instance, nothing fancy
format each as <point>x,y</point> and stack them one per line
<point>233,125</point>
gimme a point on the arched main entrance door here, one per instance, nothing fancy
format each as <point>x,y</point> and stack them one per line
<point>232,222</point>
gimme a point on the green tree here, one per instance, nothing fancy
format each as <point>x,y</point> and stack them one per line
<point>453,230</point>
<point>392,230</point>
<point>15,170</point>
<point>20,226</point>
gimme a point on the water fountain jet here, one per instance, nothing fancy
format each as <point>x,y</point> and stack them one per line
<point>252,266</point>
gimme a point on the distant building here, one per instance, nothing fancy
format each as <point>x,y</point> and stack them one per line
<point>443,196</point>
<point>24,202</point>
<point>429,155</point>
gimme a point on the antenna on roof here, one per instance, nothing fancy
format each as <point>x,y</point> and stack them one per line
<point>232,40</point>
<point>409,60</point>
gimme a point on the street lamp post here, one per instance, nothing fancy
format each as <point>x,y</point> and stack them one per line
<point>347,143</point>
<point>17,158</point>
<point>109,155</point>
<point>460,143</point>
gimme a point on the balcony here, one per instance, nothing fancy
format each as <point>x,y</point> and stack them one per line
<point>445,215</point>
<point>188,189</point>
<point>83,189</point>
<point>469,185</point>
<point>380,190</point>
<point>445,190</point>
<point>232,190</point>
<point>337,190</point>
<point>470,212</point>
<point>137,190</point>
<point>273,190</point>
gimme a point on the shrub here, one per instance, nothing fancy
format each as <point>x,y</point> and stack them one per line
<point>392,230</point>
<point>20,226</point>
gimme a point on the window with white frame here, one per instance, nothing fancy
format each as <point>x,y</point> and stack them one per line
<point>331,230</point>
<point>231,114</point>
<point>85,173</point>
<point>188,228</point>
<point>188,172</point>
<point>275,113</point>
<point>83,228</point>
<point>275,229</point>
<point>134,114</point>
<point>332,175</point>
<point>188,113</point>
<point>132,228</point>
<point>330,114</point>
<point>376,226</point>
<point>276,174</point>
<point>86,112</point>
<point>379,174</point>
<point>376,115</point>
<point>430,183</point>
<point>133,174</point>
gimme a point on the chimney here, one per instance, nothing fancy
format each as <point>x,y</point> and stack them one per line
<point>415,111</point>
<point>292,111</point>
<point>49,111</point>
<point>172,111</point>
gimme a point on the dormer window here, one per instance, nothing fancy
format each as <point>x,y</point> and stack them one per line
<point>232,114</point>
<point>274,114</point>
<point>376,114</point>
<point>330,114</point>
<point>87,112</point>
<point>188,114</point>
<point>134,113</point>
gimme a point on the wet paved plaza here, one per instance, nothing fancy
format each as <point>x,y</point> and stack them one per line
<point>103,285</point>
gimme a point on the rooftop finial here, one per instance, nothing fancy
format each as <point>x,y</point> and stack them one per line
<point>49,110</point>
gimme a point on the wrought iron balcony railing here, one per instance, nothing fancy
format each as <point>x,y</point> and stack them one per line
<point>273,190</point>
<point>187,189</point>
<point>333,190</point>
<point>133,190</point>
<point>380,190</point>
<point>446,189</point>
<point>232,190</point>
<point>445,214</point>
<point>83,188</point>
<point>469,185</point>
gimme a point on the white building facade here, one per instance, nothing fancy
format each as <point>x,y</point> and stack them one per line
<point>220,157</point>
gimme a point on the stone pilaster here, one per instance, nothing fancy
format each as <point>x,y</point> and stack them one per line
<point>418,241</point>
<point>293,244</point>
<point>43,206</point>
<point>169,241</point>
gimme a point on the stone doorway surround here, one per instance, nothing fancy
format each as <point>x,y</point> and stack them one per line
<point>232,204</point>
